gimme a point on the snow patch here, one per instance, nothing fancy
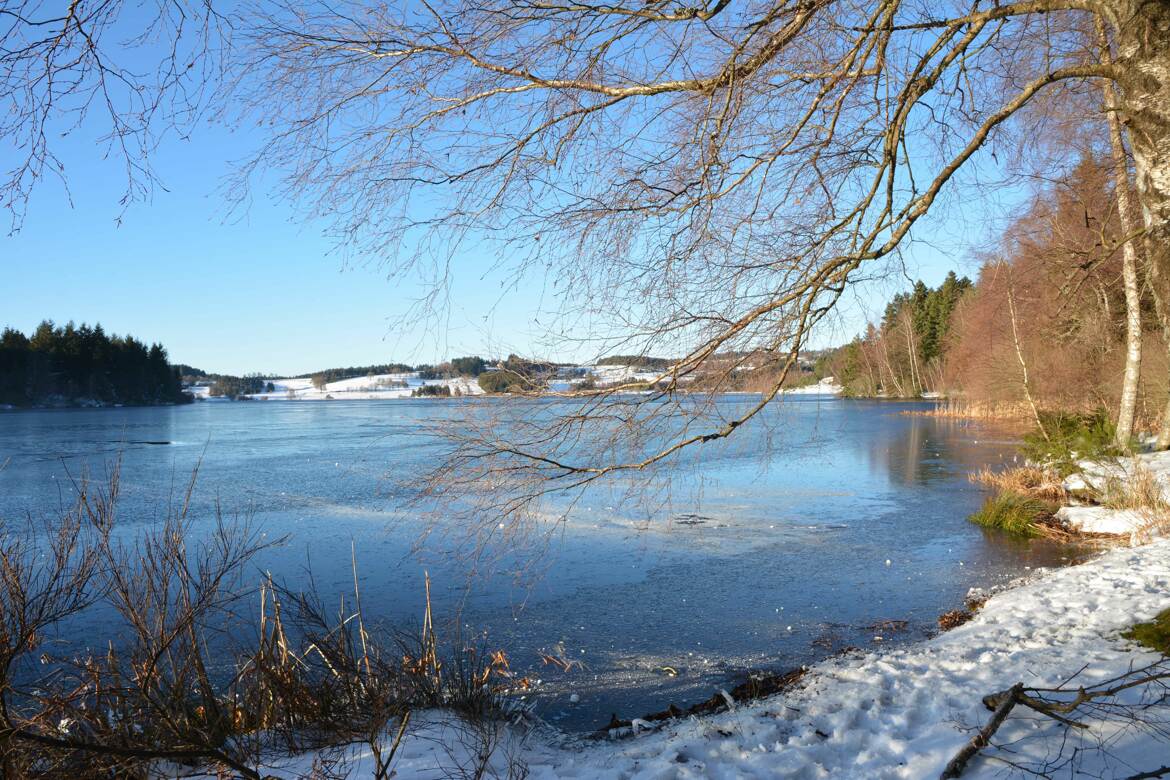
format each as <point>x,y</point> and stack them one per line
<point>1102,520</point>
<point>1098,474</point>
<point>827,386</point>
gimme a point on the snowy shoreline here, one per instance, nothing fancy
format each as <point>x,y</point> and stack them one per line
<point>405,385</point>
<point>897,713</point>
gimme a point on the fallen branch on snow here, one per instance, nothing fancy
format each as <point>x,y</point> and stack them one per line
<point>1073,707</point>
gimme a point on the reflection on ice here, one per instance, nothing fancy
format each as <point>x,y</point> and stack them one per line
<point>773,549</point>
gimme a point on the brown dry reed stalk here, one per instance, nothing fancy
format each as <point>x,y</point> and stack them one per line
<point>178,684</point>
<point>1139,491</point>
<point>1027,480</point>
<point>976,410</point>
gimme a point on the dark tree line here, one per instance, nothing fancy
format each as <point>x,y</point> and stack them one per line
<point>80,364</point>
<point>190,373</point>
<point>239,386</point>
<point>429,391</point>
<point>471,365</point>
<point>637,361</point>
<point>929,311</point>
<point>349,372</point>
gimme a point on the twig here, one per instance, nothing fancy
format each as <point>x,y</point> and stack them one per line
<point>1007,701</point>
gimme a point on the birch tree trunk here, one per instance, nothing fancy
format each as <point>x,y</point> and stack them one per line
<point>1011,301</point>
<point>1143,75</point>
<point>1129,260</point>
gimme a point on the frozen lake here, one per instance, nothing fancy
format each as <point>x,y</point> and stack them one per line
<point>773,553</point>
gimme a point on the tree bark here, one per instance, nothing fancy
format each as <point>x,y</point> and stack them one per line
<point>1129,260</point>
<point>982,739</point>
<point>1143,76</point>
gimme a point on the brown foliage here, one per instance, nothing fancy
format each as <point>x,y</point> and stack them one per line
<point>1044,325</point>
<point>954,619</point>
<point>1060,263</point>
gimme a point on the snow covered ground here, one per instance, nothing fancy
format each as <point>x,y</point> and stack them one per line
<point>200,392</point>
<point>1097,474</point>
<point>615,374</point>
<point>1103,476</point>
<point>902,713</point>
<point>376,387</point>
<point>827,386</point>
<point>384,386</point>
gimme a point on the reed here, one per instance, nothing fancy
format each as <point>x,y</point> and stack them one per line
<point>307,677</point>
<point>1032,481</point>
<point>1016,513</point>
<point>960,409</point>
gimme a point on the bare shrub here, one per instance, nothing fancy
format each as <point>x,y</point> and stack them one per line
<point>176,684</point>
<point>1076,720</point>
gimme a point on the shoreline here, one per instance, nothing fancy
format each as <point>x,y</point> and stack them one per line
<point>388,397</point>
<point>89,404</point>
<point>892,713</point>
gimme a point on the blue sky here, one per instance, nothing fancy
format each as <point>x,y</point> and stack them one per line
<point>264,291</point>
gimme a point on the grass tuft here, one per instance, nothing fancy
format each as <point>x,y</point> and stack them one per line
<point>1015,513</point>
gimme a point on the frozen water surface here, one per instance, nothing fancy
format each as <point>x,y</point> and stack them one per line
<point>807,534</point>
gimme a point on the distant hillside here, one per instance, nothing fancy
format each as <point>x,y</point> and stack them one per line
<point>636,361</point>
<point>337,374</point>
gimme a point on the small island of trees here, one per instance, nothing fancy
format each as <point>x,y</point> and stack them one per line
<point>82,365</point>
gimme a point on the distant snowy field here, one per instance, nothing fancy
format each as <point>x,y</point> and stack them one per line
<point>362,388</point>
<point>390,386</point>
<point>827,386</point>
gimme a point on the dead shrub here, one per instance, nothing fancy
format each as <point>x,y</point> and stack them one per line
<point>176,685</point>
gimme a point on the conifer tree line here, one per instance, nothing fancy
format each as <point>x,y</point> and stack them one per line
<point>1044,323</point>
<point>82,364</point>
<point>904,355</point>
<point>239,386</point>
<point>349,372</point>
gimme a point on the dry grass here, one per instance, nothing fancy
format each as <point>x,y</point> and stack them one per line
<point>1026,480</point>
<point>1140,492</point>
<point>1025,502</point>
<point>977,410</point>
<point>157,690</point>
<point>1023,490</point>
